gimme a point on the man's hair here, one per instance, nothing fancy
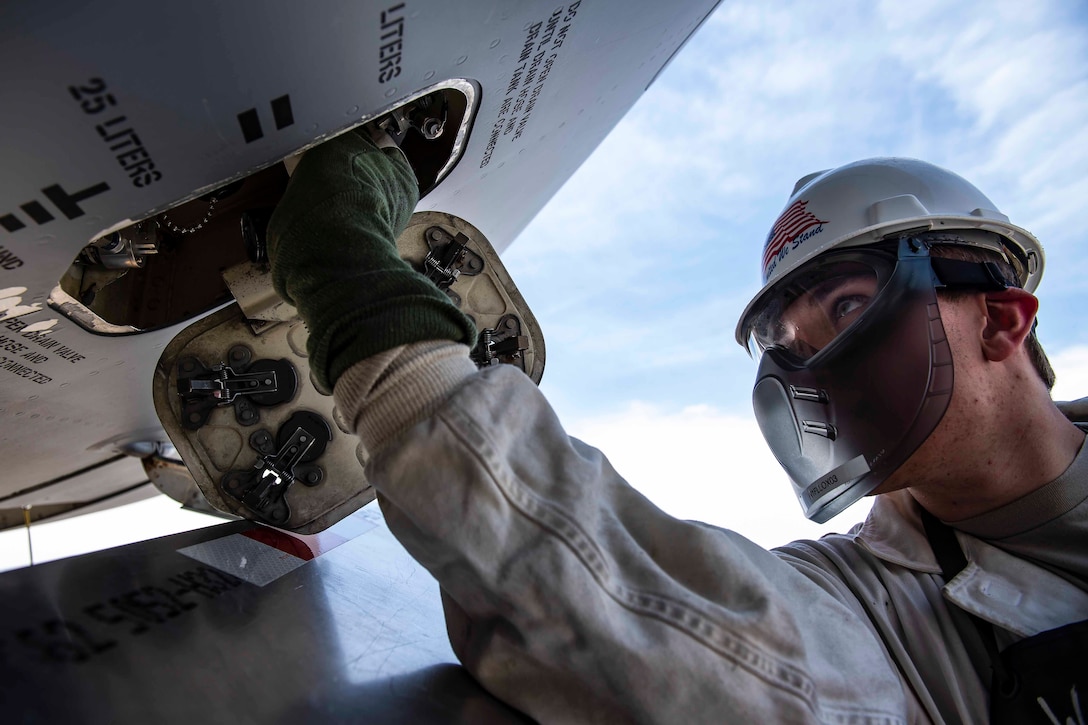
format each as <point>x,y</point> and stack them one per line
<point>980,254</point>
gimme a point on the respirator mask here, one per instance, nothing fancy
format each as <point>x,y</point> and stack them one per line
<point>855,371</point>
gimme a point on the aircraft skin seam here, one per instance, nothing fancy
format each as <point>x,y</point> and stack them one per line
<point>62,479</point>
<point>78,506</point>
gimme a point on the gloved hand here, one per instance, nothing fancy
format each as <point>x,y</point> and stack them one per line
<point>332,245</point>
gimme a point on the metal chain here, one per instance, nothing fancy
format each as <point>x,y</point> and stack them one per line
<point>191,230</point>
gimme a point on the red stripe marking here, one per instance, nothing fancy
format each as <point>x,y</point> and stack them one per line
<point>305,547</point>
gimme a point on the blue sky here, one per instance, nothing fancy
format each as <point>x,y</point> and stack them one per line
<point>639,267</point>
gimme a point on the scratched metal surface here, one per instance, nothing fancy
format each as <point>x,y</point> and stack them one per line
<point>144,634</point>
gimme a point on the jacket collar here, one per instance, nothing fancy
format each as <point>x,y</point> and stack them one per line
<point>893,533</point>
<point>997,586</point>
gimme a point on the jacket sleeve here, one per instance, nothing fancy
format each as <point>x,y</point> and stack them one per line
<point>569,594</point>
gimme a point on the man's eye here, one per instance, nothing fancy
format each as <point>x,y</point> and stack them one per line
<point>846,305</point>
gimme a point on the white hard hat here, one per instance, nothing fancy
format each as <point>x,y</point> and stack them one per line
<point>870,200</point>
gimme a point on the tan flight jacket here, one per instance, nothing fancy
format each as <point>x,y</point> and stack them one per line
<point>571,596</point>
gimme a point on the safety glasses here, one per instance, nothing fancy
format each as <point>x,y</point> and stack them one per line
<point>812,307</point>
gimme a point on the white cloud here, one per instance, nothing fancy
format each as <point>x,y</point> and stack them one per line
<point>763,95</point>
<point>1071,365</point>
<point>700,463</point>
<point>996,60</point>
<point>645,258</point>
<point>1015,76</point>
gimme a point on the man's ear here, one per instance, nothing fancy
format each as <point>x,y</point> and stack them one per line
<point>1010,315</point>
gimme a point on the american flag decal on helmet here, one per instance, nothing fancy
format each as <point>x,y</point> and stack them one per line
<point>793,223</point>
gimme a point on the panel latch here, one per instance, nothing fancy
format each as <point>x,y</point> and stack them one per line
<point>449,258</point>
<point>237,382</point>
<point>283,460</point>
<point>502,344</point>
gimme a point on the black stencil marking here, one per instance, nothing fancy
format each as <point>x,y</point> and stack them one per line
<point>37,212</point>
<point>251,125</point>
<point>11,223</point>
<point>69,203</point>
<point>281,110</point>
<point>250,121</point>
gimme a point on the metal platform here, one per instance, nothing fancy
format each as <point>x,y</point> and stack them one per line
<point>235,623</point>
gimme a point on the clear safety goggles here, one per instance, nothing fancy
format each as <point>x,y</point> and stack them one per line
<point>815,305</point>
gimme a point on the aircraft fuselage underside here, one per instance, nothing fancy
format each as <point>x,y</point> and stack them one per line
<point>126,128</point>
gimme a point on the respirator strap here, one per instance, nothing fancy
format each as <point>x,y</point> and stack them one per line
<point>960,274</point>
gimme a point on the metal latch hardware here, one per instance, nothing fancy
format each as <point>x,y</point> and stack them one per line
<point>301,439</point>
<point>236,382</point>
<point>449,258</point>
<point>420,115</point>
<point>503,344</point>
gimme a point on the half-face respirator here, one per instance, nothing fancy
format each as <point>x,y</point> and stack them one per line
<point>855,371</point>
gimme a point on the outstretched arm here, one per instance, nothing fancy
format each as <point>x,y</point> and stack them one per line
<point>567,593</point>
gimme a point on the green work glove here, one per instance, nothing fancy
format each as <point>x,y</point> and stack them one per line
<point>332,244</point>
